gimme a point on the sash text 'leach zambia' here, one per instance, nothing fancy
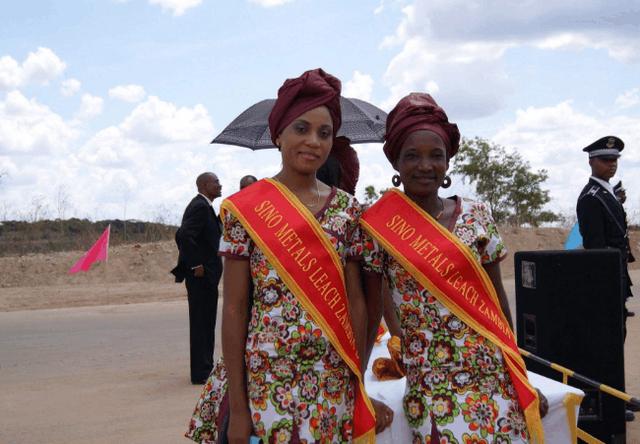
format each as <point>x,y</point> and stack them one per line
<point>446,269</point>
<point>308,264</point>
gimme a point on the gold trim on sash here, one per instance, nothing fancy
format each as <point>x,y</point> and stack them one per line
<point>287,212</point>
<point>405,231</point>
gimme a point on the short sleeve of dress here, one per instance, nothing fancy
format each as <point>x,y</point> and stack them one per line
<point>490,244</point>
<point>353,239</point>
<point>372,254</point>
<point>235,241</point>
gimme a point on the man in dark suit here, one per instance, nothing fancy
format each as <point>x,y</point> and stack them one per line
<point>200,267</point>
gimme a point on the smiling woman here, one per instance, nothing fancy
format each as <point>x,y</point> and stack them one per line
<point>291,349</point>
<point>441,259</point>
<point>305,146</point>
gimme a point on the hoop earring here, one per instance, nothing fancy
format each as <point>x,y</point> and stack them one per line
<point>395,180</point>
<point>446,183</point>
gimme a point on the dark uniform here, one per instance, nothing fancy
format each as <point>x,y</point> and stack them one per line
<point>621,195</point>
<point>601,217</point>
<point>198,239</point>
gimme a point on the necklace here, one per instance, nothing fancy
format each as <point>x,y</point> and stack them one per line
<point>294,192</point>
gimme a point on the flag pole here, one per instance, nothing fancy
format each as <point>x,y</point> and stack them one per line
<point>106,265</point>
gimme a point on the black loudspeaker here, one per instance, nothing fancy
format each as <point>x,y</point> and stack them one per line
<point>569,310</point>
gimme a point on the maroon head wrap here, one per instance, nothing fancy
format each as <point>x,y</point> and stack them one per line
<point>297,96</point>
<point>349,163</point>
<point>418,111</point>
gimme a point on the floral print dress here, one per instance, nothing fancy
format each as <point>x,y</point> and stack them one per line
<point>455,377</point>
<point>299,388</point>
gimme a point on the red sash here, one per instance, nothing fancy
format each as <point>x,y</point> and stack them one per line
<point>295,244</point>
<point>447,268</point>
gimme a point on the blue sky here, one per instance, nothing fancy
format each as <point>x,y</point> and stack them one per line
<point>107,107</point>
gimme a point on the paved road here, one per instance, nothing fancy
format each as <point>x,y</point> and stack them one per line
<point>95,375</point>
<point>116,374</point>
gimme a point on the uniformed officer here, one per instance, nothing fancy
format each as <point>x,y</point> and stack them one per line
<point>601,217</point>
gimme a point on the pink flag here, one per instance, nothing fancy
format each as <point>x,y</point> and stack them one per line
<point>98,252</point>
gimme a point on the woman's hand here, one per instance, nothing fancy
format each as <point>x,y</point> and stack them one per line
<point>240,427</point>
<point>384,415</point>
<point>544,404</point>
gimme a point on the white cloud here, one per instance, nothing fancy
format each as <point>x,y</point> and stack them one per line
<point>156,121</point>
<point>598,22</point>
<point>29,127</point>
<point>553,137</point>
<point>90,107</point>
<point>69,87</point>
<point>176,7</point>
<point>150,158</point>
<point>459,45</point>
<point>42,66</point>
<point>39,67</point>
<point>629,98</point>
<point>110,148</point>
<point>467,81</point>
<point>270,3</point>
<point>127,93</point>
<point>619,48</point>
<point>359,86</point>
<point>10,73</point>
<point>388,4</point>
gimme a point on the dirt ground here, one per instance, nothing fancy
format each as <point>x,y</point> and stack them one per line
<point>137,274</point>
<point>140,273</point>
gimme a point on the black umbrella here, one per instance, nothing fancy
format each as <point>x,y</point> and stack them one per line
<point>362,122</point>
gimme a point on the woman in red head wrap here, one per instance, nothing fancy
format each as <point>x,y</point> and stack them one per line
<point>288,381</point>
<point>459,386</point>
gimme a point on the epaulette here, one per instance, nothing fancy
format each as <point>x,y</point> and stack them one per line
<point>593,192</point>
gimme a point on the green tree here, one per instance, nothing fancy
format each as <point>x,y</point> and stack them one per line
<point>370,195</point>
<point>505,181</point>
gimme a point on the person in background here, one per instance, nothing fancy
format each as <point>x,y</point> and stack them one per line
<point>342,167</point>
<point>198,239</point>
<point>247,180</point>
<point>601,216</point>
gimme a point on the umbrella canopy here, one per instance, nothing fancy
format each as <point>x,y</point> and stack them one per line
<point>362,122</point>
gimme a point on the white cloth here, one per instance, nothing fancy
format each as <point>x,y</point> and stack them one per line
<point>556,424</point>
<point>207,199</point>
<point>607,186</point>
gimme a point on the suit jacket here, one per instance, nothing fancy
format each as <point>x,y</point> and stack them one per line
<point>198,239</point>
<point>602,221</point>
<point>601,218</point>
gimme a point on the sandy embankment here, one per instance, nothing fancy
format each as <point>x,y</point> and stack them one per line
<point>140,273</point>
